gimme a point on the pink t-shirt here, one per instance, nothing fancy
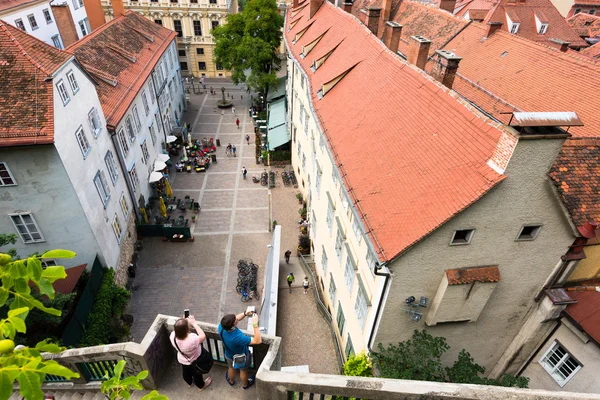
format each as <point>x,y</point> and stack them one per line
<point>190,346</point>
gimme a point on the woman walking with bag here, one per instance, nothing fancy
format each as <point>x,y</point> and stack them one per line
<point>193,357</point>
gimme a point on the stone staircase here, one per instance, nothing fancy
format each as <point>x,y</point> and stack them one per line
<point>71,395</point>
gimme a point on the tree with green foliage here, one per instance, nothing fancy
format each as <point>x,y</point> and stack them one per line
<point>26,364</point>
<point>420,358</point>
<point>9,238</point>
<point>358,365</point>
<point>248,45</point>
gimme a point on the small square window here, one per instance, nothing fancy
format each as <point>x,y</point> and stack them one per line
<point>200,51</point>
<point>47,16</point>
<point>184,66</point>
<point>158,21</point>
<point>462,236</point>
<point>202,66</point>
<point>181,53</point>
<point>529,232</point>
<point>32,22</point>
<point>19,23</point>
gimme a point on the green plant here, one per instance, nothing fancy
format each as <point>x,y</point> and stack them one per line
<point>117,388</point>
<point>281,155</point>
<point>9,238</point>
<point>304,241</point>
<point>274,224</point>
<point>299,196</point>
<point>264,155</point>
<point>110,302</point>
<point>302,212</point>
<point>358,365</point>
<point>419,358</point>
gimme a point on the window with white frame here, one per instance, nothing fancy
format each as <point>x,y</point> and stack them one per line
<point>84,145</point>
<point>344,199</point>
<point>302,81</point>
<point>133,176</point>
<point>57,42</point>
<point>62,90</point>
<point>561,365</point>
<point>330,212</point>
<point>515,27</point>
<point>313,225</point>
<point>123,142</point>
<point>32,22</point>
<point>145,154</point>
<point>357,229</point>
<point>76,4</point>
<point>19,24</point>
<point>111,166</point>
<point>303,161</point>
<point>158,124</point>
<point>543,29</point>
<point>301,114</point>
<point>371,261</point>
<point>124,206</point>
<point>94,120</point>
<point>129,126</point>
<point>349,270</point>
<point>306,123</point>
<point>102,187</point>
<point>152,134</point>
<point>136,118</point>
<point>349,351</point>
<point>145,102</point>
<point>339,243</point>
<point>323,260</point>
<point>47,16</point>
<point>361,307</point>
<point>6,178</point>
<point>117,228</point>
<point>27,228</point>
<point>333,175</point>
<point>151,91</point>
<point>83,26</point>
<point>332,290</point>
<point>299,151</point>
<point>341,319</point>
<point>319,175</point>
<point>72,82</point>
<point>322,142</point>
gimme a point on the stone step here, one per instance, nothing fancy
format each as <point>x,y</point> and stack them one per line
<point>15,396</point>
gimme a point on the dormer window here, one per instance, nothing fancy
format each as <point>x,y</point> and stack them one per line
<point>515,27</point>
<point>543,29</point>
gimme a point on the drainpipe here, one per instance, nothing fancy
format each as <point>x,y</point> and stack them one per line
<point>388,276</point>
<point>112,130</point>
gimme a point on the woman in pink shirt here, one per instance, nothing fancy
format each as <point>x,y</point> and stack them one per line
<point>190,347</point>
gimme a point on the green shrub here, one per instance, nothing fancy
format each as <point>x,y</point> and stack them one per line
<point>281,155</point>
<point>358,365</point>
<point>110,302</point>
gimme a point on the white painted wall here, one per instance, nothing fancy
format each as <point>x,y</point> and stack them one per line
<point>81,171</point>
<point>172,105</point>
<point>78,14</point>
<point>45,31</point>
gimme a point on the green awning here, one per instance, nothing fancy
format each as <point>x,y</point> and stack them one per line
<point>279,91</point>
<point>276,124</point>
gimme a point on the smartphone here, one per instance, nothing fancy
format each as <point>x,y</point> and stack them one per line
<point>186,313</point>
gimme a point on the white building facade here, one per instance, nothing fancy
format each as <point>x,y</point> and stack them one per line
<point>36,19</point>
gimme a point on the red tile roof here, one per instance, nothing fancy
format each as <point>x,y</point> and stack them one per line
<point>524,13</point>
<point>429,148</point>
<point>585,25</point>
<point>96,52</point>
<point>8,4</point>
<point>592,51</point>
<point>502,73</point>
<point>461,276</point>
<point>576,175</point>
<point>586,312</point>
<point>419,19</point>
<point>66,286</point>
<point>26,93</point>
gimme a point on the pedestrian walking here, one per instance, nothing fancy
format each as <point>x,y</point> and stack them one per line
<point>305,284</point>
<point>233,148</point>
<point>211,90</point>
<point>233,110</point>
<point>235,344</point>
<point>228,150</point>
<point>237,122</point>
<point>287,256</point>
<point>248,139</point>
<point>290,280</point>
<point>189,348</point>
<point>244,172</point>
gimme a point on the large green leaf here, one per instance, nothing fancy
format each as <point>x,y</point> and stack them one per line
<point>30,385</point>
<point>34,268</point>
<point>142,375</point>
<point>16,269</point>
<point>3,296</point>
<point>59,254</point>
<point>8,282</point>
<point>154,395</point>
<point>45,287</point>
<point>54,273</point>
<point>18,323</point>
<point>22,285</point>
<point>53,368</point>
<point>49,347</point>
<point>6,385</point>
<point>26,300</point>
<point>119,369</point>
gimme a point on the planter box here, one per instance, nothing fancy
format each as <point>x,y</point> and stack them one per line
<point>304,252</point>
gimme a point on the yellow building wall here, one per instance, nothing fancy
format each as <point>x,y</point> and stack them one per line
<point>186,12</point>
<point>588,268</point>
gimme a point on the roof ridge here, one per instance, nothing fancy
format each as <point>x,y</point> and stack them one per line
<point>95,32</point>
<point>4,26</point>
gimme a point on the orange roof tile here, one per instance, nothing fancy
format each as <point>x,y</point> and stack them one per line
<point>96,51</point>
<point>461,276</point>
<point>576,175</point>
<point>502,73</point>
<point>585,25</point>
<point>592,51</point>
<point>26,95</point>
<point>8,4</point>
<point>429,148</point>
<point>524,13</point>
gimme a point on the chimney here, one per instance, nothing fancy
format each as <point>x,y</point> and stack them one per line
<point>391,35</point>
<point>313,7</point>
<point>387,9</point>
<point>295,3</point>
<point>373,14</point>
<point>492,27</point>
<point>560,44</point>
<point>93,9</point>
<point>418,49</point>
<point>444,69</point>
<point>348,7</point>
<point>117,6</point>
<point>448,5</point>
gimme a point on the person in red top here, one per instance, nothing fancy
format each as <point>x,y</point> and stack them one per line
<point>237,122</point>
<point>189,346</point>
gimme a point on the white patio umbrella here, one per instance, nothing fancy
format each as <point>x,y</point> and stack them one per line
<point>163,157</point>
<point>190,138</point>
<point>155,177</point>
<point>159,165</point>
<point>171,139</point>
